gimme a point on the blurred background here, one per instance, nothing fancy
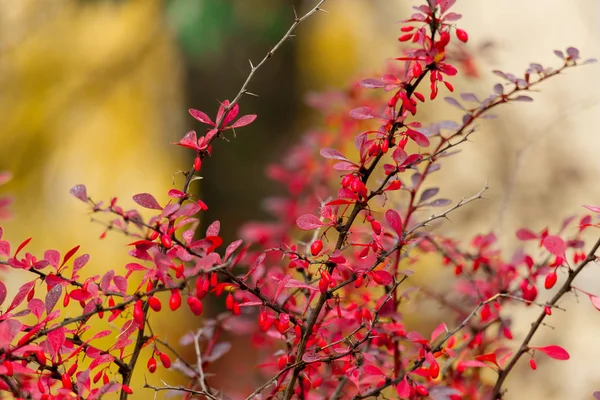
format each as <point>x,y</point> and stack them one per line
<point>93,91</point>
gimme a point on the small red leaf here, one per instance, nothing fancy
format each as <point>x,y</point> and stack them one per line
<point>526,234</point>
<point>393,218</point>
<point>2,292</point>
<point>25,242</point>
<point>243,121</point>
<point>146,200</point>
<point>556,352</point>
<point>555,245</point>
<point>382,277</point>
<point>309,222</point>
<point>200,116</point>
<point>69,254</point>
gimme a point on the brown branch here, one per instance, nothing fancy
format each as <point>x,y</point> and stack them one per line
<point>524,348</point>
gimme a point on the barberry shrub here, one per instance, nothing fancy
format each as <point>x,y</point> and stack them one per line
<point>319,289</point>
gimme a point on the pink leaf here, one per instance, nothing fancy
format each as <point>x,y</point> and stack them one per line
<point>555,245</point>
<point>418,137</point>
<point>231,248</point>
<point>309,222</point>
<point>2,292</point>
<point>21,294</point>
<point>80,192</point>
<point>243,121</point>
<point>595,209</point>
<point>53,257</point>
<point>69,254</point>
<point>200,116</point>
<point>190,140</point>
<point>556,352</point>
<point>52,297</point>
<point>333,154</point>
<point>56,338</point>
<point>526,234</point>
<point>176,194</point>
<point>594,299</point>
<point>146,200</point>
<point>363,113</point>
<point>213,229</point>
<point>393,218</point>
<point>310,356</point>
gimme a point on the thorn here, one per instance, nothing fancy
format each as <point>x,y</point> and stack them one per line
<point>251,94</point>
<point>295,13</point>
<point>251,65</point>
<point>322,10</point>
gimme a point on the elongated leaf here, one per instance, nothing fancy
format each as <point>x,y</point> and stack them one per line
<point>52,297</point>
<point>393,218</point>
<point>332,154</point>
<point>363,113</point>
<point>526,234</point>
<point>428,193</point>
<point>243,121</point>
<point>200,116</point>
<point>309,222</point>
<point>146,200</point>
<point>554,351</point>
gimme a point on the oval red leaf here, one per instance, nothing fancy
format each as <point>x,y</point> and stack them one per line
<point>309,222</point>
<point>554,351</point>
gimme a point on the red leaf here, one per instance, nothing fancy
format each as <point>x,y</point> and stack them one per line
<point>190,140</point>
<point>146,200</point>
<point>418,137</point>
<point>56,338</point>
<point>393,218</point>
<point>231,248</point>
<point>309,222</point>
<point>310,356</point>
<point>403,389</point>
<point>21,294</point>
<point>53,257</point>
<point>176,194</point>
<point>200,116</point>
<point>80,262</point>
<point>489,357</point>
<point>69,254</point>
<point>25,242</point>
<point>382,277</point>
<point>243,121</point>
<point>80,192</point>
<point>213,229</point>
<point>555,245</point>
<point>556,352</point>
<point>2,292</point>
<point>526,234</point>
<point>363,113</point>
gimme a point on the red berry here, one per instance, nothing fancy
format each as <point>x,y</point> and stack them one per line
<point>421,390</point>
<point>229,302</point>
<point>138,312</point>
<point>127,389</point>
<point>532,364</point>
<point>151,365</point>
<point>175,300</point>
<point>165,360</point>
<point>166,241</point>
<point>550,281</point>
<point>316,247</point>
<point>154,303</point>
<point>462,35</point>
<point>197,163</point>
<point>195,305</point>
<point>434,370</point>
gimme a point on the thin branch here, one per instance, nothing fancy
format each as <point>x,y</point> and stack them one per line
<point>524,348</point>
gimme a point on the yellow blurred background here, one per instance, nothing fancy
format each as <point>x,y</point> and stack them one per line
<point>93,91</point>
